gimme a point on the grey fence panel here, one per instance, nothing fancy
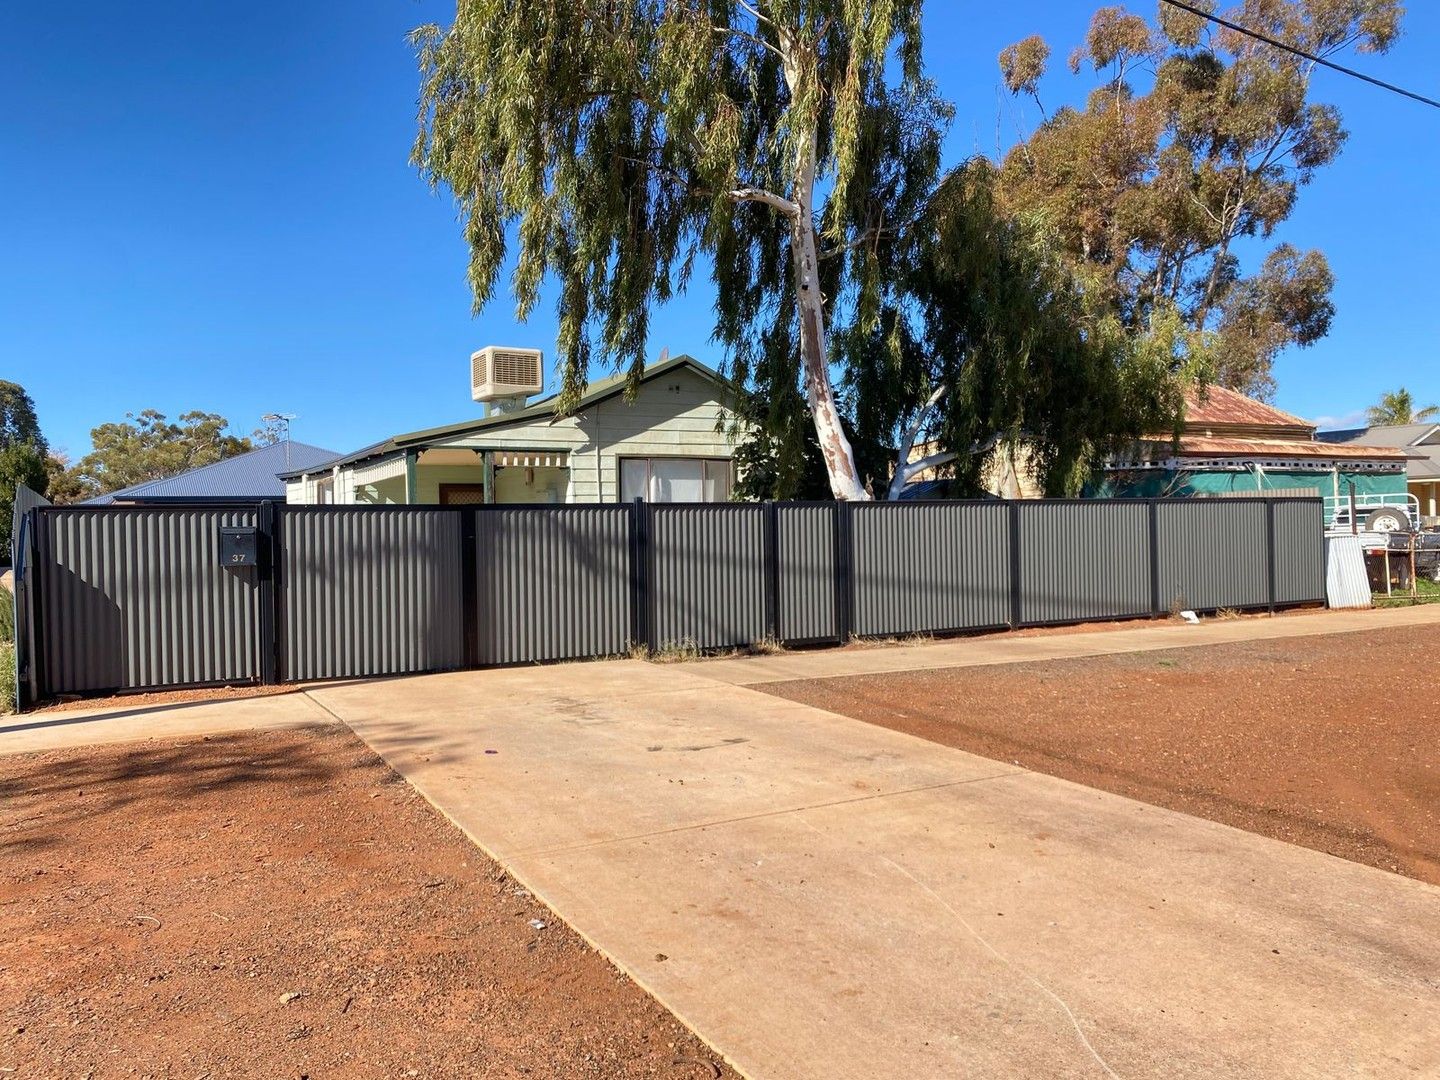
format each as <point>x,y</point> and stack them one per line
<point>25,501</point>
<point>1214,554</point>
<point>926,567</point>
<point>137,598</point>
<point>1082,561</point>
<point>22,559</point>
<point>552,583</point>
<point>707,575</point>
<point>1299,551</point>
<point>370,592</point>
<point>133,598</point>
<point>805,542</point>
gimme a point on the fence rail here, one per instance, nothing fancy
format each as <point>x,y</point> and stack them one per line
<point>118,598</point>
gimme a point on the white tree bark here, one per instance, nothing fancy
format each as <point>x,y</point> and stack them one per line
<point>905,469</point>
<point>814,357</point>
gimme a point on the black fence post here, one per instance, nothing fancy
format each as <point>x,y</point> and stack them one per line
<point>844,570</point>
<point>1155,556</point>
<point>639,574</point>
<point>470,584</point>
<point>1015,556</point>
<point>1270,550</point>
<point>772,569</point>
<point>269,594</point>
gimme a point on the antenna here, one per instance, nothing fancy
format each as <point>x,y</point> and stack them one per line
<point>281,418</point>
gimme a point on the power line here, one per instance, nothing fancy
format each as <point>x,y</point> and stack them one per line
<point>1302,53</point>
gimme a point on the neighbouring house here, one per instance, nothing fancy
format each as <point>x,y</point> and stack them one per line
<point>671,442</point>
<point>1233,444</point>
<point>250,477</point>
<point>1420,441</point>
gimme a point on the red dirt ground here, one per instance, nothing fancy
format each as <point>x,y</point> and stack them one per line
<point>1329,742</point>
<point>161,901</point>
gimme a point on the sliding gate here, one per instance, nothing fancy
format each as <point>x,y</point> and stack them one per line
<point>126,598</point>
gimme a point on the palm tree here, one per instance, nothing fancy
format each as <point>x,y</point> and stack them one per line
<point>1398,407</point>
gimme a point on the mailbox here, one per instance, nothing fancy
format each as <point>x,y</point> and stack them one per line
<point>239,546</point>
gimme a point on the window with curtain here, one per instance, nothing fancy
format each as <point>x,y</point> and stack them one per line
<point>675,480</point>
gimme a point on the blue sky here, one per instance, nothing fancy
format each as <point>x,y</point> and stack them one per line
<point>208,206</point>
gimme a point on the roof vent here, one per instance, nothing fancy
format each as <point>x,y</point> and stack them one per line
<point>500,374</point>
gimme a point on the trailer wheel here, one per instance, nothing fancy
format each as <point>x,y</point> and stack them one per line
<point>1387,519</point>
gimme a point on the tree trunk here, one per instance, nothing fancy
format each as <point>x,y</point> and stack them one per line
<point>810,305</point>
<point>819,392</point>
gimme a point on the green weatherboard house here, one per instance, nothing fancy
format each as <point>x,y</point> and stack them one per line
<point>1233,444</point>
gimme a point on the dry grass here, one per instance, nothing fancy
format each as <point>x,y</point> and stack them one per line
<point>766,646</point>
<point>675,652</point>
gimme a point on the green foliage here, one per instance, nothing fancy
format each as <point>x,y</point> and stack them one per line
<point>148,447</point>
<point>17,418</point>
<point>7,617</point>
<point>62,483</point>
<point>20,463</point>
<point>7,652</point>
<point>1398,407</point>
<point>786,463</point>
<point>620,142</point>
<point>1028,357</point>
<point>1148,189</point>
<point>986,307</point>
<point>7,679</point>
<point>22,453</point>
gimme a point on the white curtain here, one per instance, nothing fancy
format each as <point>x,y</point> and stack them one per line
<point>676,480</point>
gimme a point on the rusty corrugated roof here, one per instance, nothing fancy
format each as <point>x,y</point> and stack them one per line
<point>1219,407</point>
<point>1204,445</point>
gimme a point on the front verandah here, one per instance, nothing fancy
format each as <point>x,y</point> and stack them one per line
<point>464,477</point>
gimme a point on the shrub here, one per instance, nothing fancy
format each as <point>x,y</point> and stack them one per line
<point>7,679</point>
<point>7,616</point>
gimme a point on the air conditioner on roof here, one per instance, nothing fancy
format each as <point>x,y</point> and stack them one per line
<point>500,374</point>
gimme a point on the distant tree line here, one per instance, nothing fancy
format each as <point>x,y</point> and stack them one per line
<point>144,446</point>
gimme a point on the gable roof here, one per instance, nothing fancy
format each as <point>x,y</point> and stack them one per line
<point>1219,409</point>
<point>1386,435</point>
<point>251,475</point>
<point>598,391</point>
<point>1421,440</point>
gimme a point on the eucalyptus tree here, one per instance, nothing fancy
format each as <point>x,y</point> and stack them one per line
<point>991,310</point>
<point>1192,140</point>
<point>146,446</point>
<point>619,145</point>
<point>22,451</point>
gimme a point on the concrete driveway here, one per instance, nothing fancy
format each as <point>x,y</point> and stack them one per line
<point>821,898</point>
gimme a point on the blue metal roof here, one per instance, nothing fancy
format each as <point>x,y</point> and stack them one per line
<point>252,475</point>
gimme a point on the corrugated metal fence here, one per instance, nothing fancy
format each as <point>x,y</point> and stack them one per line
<point>22,561</point>
<point>373,591</point>
<point>129,598</point>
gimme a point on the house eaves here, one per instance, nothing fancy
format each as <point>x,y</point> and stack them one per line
<point>598,391</point>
